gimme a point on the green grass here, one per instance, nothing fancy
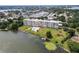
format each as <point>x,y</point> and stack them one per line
<point>50,46</point>
<point>24,28</point>
<point>65,45</point>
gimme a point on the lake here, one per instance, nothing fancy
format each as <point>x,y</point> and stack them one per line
<point>11,42</point>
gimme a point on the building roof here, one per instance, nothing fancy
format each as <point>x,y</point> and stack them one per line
<point>43,20</point>
<point>39,14</point>
<point>75,38</point>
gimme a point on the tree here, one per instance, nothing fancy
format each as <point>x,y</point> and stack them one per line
<point>10,21</point>
<point>71,32</point>
<point>74,22</point>
<point>20,21</point>
<point>74,47</point>
<point>14,26</point>
<point>48,35</point>
<point>3,24</point>
<point>77,29</point>
<point>62,18</point>
<point>65,24</point>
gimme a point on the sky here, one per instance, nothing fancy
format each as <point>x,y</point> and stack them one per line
<point>39,2</point>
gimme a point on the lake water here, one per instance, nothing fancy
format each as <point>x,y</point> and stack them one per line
<point>74,8</point>
<point>11,42</point>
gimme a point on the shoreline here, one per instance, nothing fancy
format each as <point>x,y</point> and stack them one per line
<point>43,42</point>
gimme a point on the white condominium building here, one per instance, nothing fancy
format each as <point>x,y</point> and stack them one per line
<point>42,23</point>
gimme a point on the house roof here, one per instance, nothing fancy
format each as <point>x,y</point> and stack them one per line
<point>75,38</point>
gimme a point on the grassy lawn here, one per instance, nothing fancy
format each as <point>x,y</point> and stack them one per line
<point>58,36</point>
<point>24,28</point>
<point>50,46</point>
<point>65,46</point>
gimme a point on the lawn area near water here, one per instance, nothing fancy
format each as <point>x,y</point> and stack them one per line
<point>58,36</point>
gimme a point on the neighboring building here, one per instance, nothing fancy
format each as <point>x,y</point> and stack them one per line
<point>52,16</point>
<point>42,23</point>
<point>75,39</point>
<point>3,19</point>
<point>35,29</point>
<point>24,15</point>
<point>39,14</point>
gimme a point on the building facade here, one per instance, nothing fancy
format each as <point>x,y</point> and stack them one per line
<point>42,23</point>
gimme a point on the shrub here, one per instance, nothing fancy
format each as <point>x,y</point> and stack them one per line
<point>74,47</point>
<point>14,26</point>
<point>71,32</point>
<point>77,29</point>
